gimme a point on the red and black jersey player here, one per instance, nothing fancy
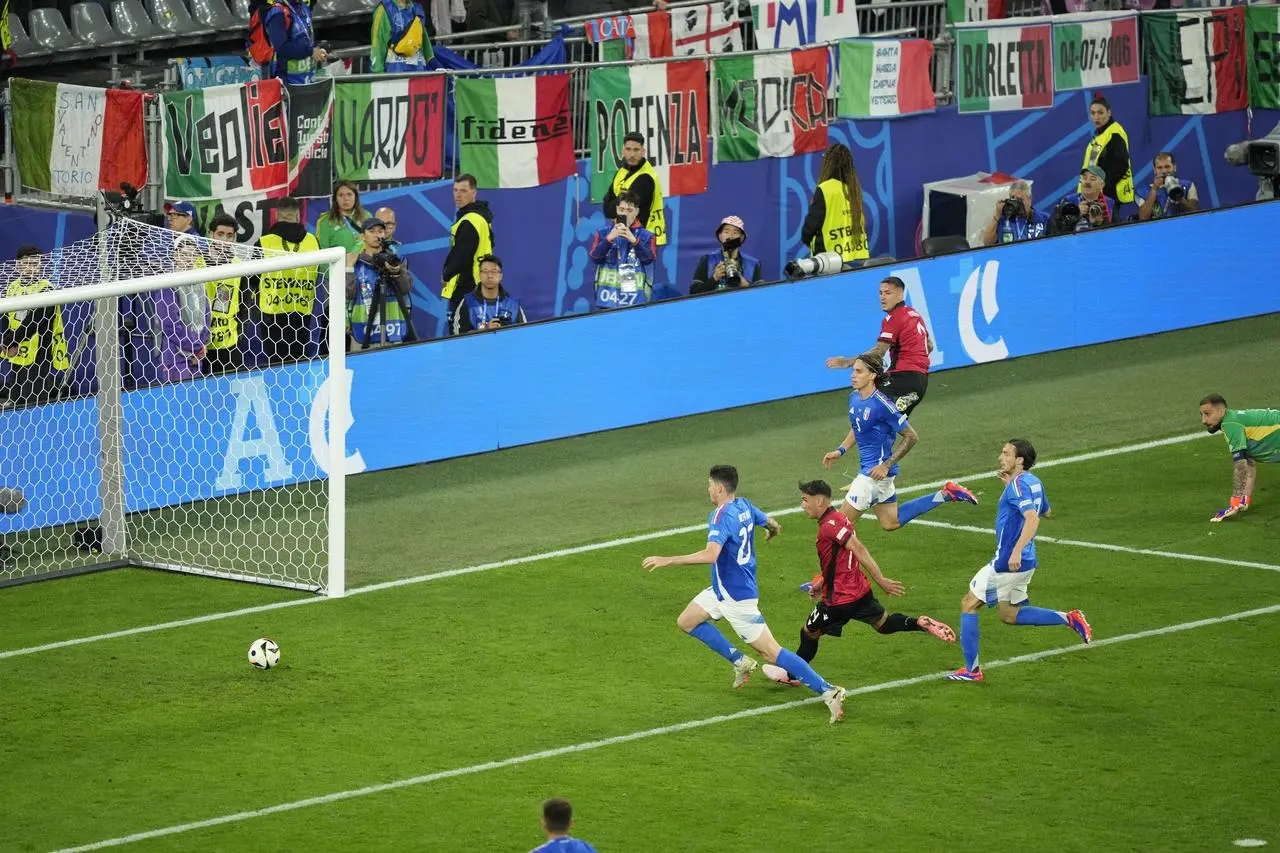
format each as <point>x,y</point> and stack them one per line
<point>840,589</point>
<point>904,336</point>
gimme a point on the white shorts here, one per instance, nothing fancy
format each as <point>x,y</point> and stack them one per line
<point>744,617</point>
<point>994,587</point>
<point>864,492</point>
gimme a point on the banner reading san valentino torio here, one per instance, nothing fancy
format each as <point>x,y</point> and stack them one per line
<point>1263,33</point>
<point>1004,68</point>
<point>667,104</point>
<point>771,105</point>
<point>389,130</point>
<point>1092,50</point>
<point>515,131</point>
<point>1196,61</point>
<point>225,141</point>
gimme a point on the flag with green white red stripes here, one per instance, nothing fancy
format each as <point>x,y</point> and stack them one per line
<point>515,131</point>
<point>1195,61</point>
<point>1263,28</point>
<point>1094,49</point>
<point>1004,67</point>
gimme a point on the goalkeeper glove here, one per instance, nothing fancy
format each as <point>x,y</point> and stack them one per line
<point>1238,505</point>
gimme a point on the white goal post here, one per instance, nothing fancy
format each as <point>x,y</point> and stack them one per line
<point>138,451</point>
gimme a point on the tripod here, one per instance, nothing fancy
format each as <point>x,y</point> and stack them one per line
<point>377,311</point>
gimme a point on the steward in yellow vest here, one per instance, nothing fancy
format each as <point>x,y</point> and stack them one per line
<point>835,221</point>
<point>224,300</point>
<point>286,299</point>
<point>638,176</point>
<point>471,238</point>
<point>33,341</point>
<point>1109,150</point>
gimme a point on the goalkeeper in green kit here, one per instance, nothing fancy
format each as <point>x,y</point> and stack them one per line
<point>1253,436</point>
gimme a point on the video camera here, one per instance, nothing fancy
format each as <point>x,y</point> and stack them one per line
<point>1262,156</point>
<point>127,203</point>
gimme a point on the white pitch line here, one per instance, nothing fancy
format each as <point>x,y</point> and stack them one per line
<point>590,746</point>
<point>548,555</point>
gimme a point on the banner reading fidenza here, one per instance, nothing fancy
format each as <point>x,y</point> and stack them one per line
<point>390,129</point>
<point>1004,68</point>
<point>225,141</point>
<point>1092,50</point>
<point>310,148</point>
<point>771,105</point>
<point>667,104</point>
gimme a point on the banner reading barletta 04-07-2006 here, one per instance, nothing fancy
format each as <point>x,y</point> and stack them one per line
<point>1004,68</point>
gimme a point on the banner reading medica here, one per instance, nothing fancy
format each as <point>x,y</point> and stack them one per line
<point>225,141</point>
<point>1004,68</point>
<point>1094,49</point>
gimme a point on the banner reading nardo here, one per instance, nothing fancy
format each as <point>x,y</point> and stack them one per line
<point>1004,68</point>
<point>389,129</point>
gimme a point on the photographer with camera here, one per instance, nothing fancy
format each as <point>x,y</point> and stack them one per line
<point>729,267</point>
<point>624,255</point>
<point>1169,195</point>
<point>1015,219</point>
<point>378,287</point>
<point>1086,208</point>
<point>489,306</point>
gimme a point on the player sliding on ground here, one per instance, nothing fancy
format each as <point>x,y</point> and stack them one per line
<point>841,589</point>
<point>1253,436</point>
<point>733,594</point>
<point>875,424</point>
<point>1005,579</point>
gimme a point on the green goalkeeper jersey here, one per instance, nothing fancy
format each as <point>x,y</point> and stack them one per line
<point>1253,434</point>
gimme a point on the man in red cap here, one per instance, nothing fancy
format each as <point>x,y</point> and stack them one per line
<point>729,267</point>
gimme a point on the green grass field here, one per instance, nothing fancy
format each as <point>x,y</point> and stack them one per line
<point>463,701</point>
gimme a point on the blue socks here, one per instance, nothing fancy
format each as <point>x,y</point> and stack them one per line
<point>919,506</point>
<point>969,640</point>
<point>707,633</point>
<point>1028,615</point>
<point>799,668</point>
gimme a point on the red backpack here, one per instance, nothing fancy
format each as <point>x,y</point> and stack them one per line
<point>260,49</point>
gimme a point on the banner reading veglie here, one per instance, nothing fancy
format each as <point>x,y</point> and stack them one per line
<point>667,104</point>
<point>1004,68</point>
<point>1093,50</point>
<point>886,78</point>
<point>771,105</point>
<point>310,148</point>
<point>390,129</point>
<point>1263,35</point>
<point>225,141</point>
<point>516,131</point>
<point>1195,61</point>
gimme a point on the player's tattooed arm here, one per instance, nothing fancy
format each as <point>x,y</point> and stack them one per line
<point>906,440</point>
<point>771,529</point>
<point>1243,477</point>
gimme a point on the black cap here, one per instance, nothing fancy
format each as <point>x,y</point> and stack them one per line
<point>28,250</point>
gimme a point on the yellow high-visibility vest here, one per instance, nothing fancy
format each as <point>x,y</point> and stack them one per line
<point>1124,187</point>
<point>657,218</point>
<point>288,291</point>
<point>27,350</point>
<point>484,246</point>
<point>838,234</point>
<point>224,310</point>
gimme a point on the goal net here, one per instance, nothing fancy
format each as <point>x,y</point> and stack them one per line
<point>165,403</point>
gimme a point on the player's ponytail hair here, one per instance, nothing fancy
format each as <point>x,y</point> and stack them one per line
<point>875,363</point>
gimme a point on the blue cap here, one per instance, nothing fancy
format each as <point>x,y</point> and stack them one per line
<point>186,208</point>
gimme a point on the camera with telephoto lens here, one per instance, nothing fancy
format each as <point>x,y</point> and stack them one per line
<point>1066,218</point>
<point>1174,189</point>
<point>1013,209</point>
<point>823,263</point>
<point>384,258</point>
<point>1094,210</point>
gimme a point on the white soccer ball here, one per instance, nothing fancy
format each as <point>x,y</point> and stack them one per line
<point>264,653</point>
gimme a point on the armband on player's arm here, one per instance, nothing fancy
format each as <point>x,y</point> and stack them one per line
<point>1239,455</point>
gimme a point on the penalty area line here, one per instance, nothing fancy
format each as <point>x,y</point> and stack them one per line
<point>551,555</point>
<point>645,734</point>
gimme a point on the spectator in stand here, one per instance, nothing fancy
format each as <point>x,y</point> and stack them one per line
<point>557,819</point>
<point>287,27</point>
<point>835,221</point>
<point>1169,196</point>
<point>638,177</point>
<point>1016,218</point>
<point>287,298</point>
<point>470,239</point>
<point>184,315</point>
<point>730,267</point>
<point>33,341</point>
<point>1109,150</point>
<point>340,224</point>
<point>624,255</point>
<point>224,299</point>
<point>489,306</point>
<point>181,217</point>
<point>399,39</point>
<point>375,286</point>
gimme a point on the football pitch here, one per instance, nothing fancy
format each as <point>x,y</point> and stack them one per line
<point>502,645</point>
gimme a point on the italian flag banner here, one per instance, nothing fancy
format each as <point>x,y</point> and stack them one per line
<point>75,140</point>
<point>1093,50</point>
<point>798,23</point>
<point>515,131</point>
<point>390,129</point>
<point>771,105</point>
<point>667,104</point>
<point>1004,68</point>
<point>225,141</point>
<point>1263,28</point>
<point>885,78</point>
<point>1195,61</point>
<point>964,11</point>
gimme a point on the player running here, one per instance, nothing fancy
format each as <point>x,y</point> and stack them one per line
<point>875,424</point>
<point>733,594</point>
<point>1253,436</point>
<point>841,589</point>
<point>1005,579</point>
<point>904,337</point>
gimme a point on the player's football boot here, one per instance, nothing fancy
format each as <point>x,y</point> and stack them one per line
<point>816,581</point>
<point>834,700</point>
<point>742,669</point>
<point>956,492</point>
<point>778,675</point>
<point>963,674</point>
<point>941,630</point>
<point>1080,625</point>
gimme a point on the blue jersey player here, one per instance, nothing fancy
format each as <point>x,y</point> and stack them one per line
<point>733,594</point>
<point>1005,579</point>
<point>557,818</point>
<point>876,425</point>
